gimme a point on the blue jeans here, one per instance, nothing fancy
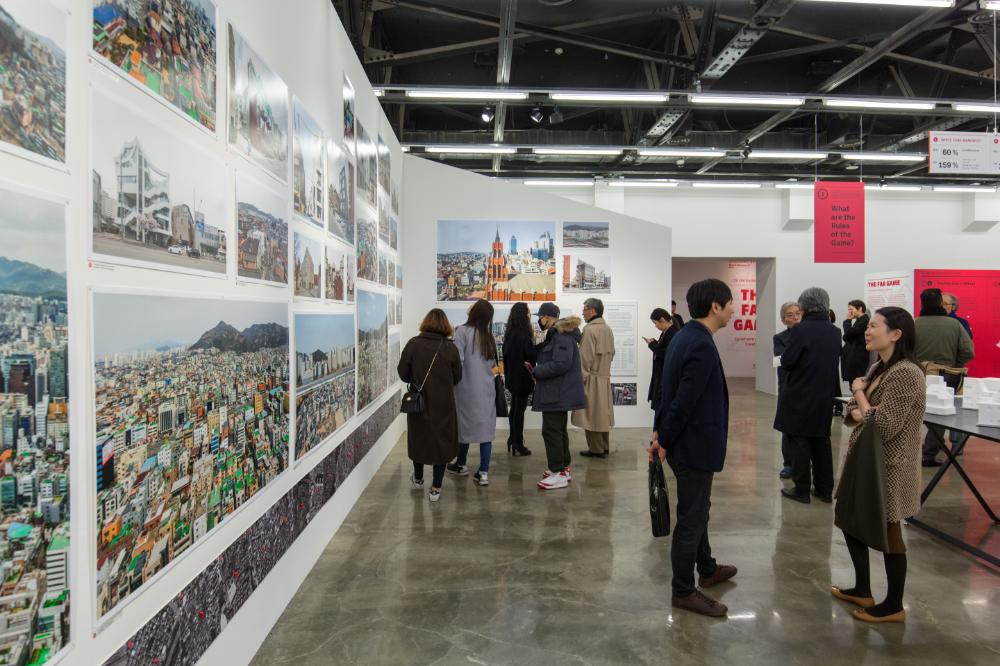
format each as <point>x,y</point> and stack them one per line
<point>485,451</point>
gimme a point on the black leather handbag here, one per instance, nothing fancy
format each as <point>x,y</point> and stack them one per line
<point>413,400</point>
<point>659,502</point>
<point>501,392</point>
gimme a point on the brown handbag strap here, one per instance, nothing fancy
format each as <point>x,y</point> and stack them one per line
<point>428,373</point>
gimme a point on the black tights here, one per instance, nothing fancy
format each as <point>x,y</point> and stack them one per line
<point>895,572</point>
<point>418,474</point>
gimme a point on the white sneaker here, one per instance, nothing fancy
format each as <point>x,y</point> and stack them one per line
<point>414,484</point>
<point>434,495</point>
<point>567,472</point>
<point>481,478</point>
<point>553,481</point>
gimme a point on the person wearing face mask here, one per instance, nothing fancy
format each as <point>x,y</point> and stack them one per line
<point>558,390</point>
<point>791,315</point>
<point>893,399</point>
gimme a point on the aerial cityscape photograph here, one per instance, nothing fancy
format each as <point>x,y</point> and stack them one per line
<point>33,77</point>
<point>157,199</point>
<point>34,430</point>
<point>191,418</point>
<point>168,47</point>
<point>261,232</point>
<point>322,410</point>
<point>496,260</point>
<point>585,234</point>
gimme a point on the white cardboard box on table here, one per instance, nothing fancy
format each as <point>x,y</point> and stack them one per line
<point>989,412</point>
<point>940,399</point>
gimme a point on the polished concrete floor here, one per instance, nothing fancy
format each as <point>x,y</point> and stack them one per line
<point>510,575</point>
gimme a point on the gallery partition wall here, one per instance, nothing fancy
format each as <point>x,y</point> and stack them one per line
<point>200,298</point>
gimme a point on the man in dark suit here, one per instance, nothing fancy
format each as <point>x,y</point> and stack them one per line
<point>678,320</point>
<point>692,424</point>
<point>791,315</point>
<point>812,360</point>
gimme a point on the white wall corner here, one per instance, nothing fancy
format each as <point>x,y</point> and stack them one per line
<point>796,210</point>
<point>980,212</point>
<point>609,198</point>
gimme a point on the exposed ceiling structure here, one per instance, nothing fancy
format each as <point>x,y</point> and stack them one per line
<point>718,89</point>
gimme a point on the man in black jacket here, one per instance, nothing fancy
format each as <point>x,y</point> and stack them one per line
<point>692,425</point>
<point>791,315</point>
<point>811,361</point>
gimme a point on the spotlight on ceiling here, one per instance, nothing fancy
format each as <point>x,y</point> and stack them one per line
<point>487,114</point>
<point>536,115</point>
<point>556,116</point>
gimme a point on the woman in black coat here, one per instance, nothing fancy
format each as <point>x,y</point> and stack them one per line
<point>518,347</point>
<point>854,356</point>
<point>430,361</point>
<point>668,327</point>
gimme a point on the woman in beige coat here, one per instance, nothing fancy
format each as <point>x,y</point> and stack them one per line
<point>892,396</point>
<point>597,351</point>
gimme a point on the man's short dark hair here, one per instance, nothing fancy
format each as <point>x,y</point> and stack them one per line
<point>858,305</point>
<point>659,314</point>
<point>702,295</point>
<point>930,298</point>
<point>673,302</point>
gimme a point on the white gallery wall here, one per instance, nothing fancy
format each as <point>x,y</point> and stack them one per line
<point>303,42</point>
<point>640,254</point>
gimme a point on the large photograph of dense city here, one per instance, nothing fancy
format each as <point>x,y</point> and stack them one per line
<point>33,77</point>
<point>496,260</point>
<point>191,400</point>
<point>261,232</point>
<point>373,330</point>
<point>324,348</point>
<point>157,200</point>
<point>323,410</point>
<point>34,430</point>
<point>308,265</point>
<point>308,164</point>
<point>340,193</point>
<point>258,108</point>
<point>168,47</point>
<point>585,234</point>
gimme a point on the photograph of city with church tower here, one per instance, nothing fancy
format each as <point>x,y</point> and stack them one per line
<point>496,260</point>
<point>156,199</point>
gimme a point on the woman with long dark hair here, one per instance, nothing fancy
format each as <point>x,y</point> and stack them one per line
<point>518,348</point>
<point>475,394</point>
<point>892,398</point>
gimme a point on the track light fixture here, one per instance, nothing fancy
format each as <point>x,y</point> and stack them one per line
<point>536,114</point>
<point>487,114</point>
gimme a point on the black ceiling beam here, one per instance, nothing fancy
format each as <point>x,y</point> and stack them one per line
<point>585,41</point>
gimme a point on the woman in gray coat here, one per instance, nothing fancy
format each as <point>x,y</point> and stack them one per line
<point>475,395</point>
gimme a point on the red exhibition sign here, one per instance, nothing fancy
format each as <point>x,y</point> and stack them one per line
<point>978,294</point>
<point>839,227</point>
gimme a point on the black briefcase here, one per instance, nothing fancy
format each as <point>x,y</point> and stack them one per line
<point>659,502</point>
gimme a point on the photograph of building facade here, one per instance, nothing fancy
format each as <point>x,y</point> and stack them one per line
<point>367,168</point>
<point>33,77</point>
<point>498,261</point>
<point>258,108</point>
<point>340,193</point>
<point>191,422</point>
<point>585,234</point>
<point>373,329</point>
<point>156,199</point>
<point>261,232</point>
<point>367,248</point>
<point>589,273</point>
<point>324,348</point>
<point>350,263</point>
<point>348,94</point>
<point>34,430</point>
<point>335,273</point>
<point>624,394</point>
<point>308,164</point>
<point>168,47</point>
<point>308,265</point>
<point>322,410</point>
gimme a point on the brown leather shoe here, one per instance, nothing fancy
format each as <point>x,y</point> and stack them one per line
<point>723,572</point>
<point>697,602</point>
<point>864,602</point>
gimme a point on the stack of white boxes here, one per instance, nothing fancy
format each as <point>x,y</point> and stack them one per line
<point>940,398</point>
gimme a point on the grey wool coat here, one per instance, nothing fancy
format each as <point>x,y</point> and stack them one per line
<point>475,395</point>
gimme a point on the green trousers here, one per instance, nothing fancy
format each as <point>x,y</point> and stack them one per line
<point>556,440</point>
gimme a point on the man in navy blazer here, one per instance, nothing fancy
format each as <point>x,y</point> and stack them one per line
<point>692,425</point>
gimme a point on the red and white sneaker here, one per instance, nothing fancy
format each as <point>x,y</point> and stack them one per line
<point>567,472</point>
<point>553,481</point>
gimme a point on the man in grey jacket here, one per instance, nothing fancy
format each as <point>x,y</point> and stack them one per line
<point>558,390</point>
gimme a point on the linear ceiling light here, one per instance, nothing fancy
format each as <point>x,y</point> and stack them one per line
<point>559,182</point>
<point>786,185</point>
<point>860,103</point>
<point>557,150</point>
<point>472,149</point>
<point>759,100</point>
<point>643,183</point>
<point>682,152</point>
<point>467,94</point>
<point>976,108</point>
<point>884,157</point>
<point>650,98</point>
<point>990,4</point>
<point>378,92</point>
<point>964,188</point>
<point>720,184</point>
<point>904,3</point>
<point>893,188</point>
<point>787,155</point>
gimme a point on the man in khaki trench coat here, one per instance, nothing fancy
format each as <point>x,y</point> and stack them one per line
<point>597,351</point>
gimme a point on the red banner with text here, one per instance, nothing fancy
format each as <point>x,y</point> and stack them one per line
<point>839,227</point>
<point>978,294</point>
